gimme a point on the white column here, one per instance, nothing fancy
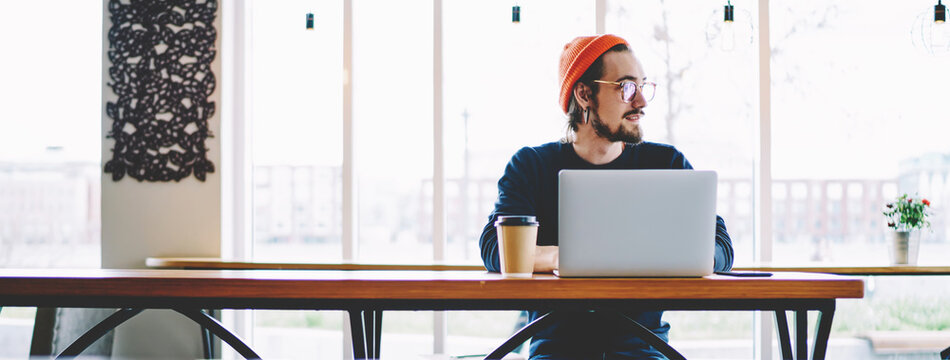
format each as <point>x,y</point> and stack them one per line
<point>142,219</point>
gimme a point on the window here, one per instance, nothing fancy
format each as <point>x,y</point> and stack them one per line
<point>297,105</point>
<point>845,133</point>
<point>296,109</point>
<point>500,94</point>
<point>392,114</point>
<point>706,106</point>
<point>858,125</point>
<point>49,155</point>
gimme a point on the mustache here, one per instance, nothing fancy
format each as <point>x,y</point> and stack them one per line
<point>634,112</point>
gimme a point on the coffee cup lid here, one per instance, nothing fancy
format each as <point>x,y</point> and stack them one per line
<point>516,220</point>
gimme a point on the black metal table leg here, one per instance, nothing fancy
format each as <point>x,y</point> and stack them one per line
<point>102,328</point>
<point>377,317</point>
<point>784,340</point>
<point>801,334</point>
<point>823,331</point>
<point>357,333</point>
<point>220,331</point>
<point>366,329</point>
<point>522,335</point>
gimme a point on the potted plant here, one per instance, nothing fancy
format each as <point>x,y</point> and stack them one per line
<point>906,216</point>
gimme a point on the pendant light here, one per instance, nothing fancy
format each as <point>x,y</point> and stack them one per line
<point>727,37</point>
<point>727,33</point>
<point>932,33</point>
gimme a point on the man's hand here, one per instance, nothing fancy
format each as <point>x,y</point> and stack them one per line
<point>545,259</point>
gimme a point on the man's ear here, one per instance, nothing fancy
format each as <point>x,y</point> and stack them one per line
<point>582,94</point>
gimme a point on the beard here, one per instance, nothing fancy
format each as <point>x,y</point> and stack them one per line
<point>633,136</point>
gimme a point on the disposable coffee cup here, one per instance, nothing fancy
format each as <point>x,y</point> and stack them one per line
<point>517,238</point>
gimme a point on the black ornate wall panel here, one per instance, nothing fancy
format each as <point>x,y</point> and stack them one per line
<point>161,54</point>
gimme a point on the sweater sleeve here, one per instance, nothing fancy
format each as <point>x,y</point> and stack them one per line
<point>516,196</point>
<point>724,255</point>
<point>722,258</point>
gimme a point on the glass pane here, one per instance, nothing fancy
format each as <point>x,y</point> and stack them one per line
<point>841,146</point>
<point>706,96</point>
<point>500,94</point>
<point>297,99</point>
<point>298,334</point>
<point>50,145</point>
<point>296,94</point>
<point>392,114</point>
<point>50,155</point>
<point>480,332</point>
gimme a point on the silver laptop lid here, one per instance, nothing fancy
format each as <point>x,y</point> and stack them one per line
<point>636,222</point>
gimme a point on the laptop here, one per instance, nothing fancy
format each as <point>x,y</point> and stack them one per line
<point>636,223</point>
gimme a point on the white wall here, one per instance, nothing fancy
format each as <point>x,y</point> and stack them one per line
<point>142,219</point>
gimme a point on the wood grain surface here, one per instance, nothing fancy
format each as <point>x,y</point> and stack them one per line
<point>381,284</point>
<point>218,263</point>
<point>856,270</point>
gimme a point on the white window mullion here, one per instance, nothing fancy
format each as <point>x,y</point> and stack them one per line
<point>236,150</point>
<point>600,14</point>
<point>350,230</point>
<point>763,176</point>
<point>438,169</point>
<point>349,238</point>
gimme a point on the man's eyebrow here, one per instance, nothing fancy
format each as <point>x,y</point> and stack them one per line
<point>631,77</point>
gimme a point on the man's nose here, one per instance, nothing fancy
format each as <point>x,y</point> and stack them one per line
<point>638,100</point>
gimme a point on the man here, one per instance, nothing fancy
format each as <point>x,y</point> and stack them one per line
<point>603,92</point>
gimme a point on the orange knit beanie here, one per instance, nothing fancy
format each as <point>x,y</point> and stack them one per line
<point>578,55</point>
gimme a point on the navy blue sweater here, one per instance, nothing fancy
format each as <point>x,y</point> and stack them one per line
<point>529,187</point>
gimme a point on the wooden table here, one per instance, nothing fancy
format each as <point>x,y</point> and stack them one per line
<point>222,264</point>
<point>855,270</point>
<point>364,294</point>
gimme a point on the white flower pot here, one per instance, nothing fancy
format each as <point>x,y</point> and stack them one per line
<point>904,247</point>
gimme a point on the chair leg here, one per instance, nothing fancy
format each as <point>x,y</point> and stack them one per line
<point>207,343</point>
<point>522,335</point>
<point>650,338</point>
<point>215,327</point>
<point>103,327</point>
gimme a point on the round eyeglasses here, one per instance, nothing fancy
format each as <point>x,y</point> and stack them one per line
<point>629,88</point>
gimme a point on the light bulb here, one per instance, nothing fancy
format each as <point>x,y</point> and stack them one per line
<point>727,36</point>
<point>939,39</point>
